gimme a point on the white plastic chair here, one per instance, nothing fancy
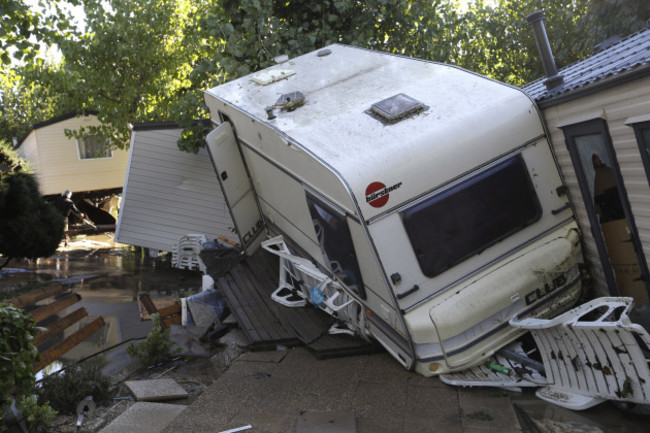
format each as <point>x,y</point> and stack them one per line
<point>186,252</point>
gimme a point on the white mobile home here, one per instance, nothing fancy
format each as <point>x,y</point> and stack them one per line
<point>169,193</point>
<point>425,197</point>
<point>598,116</point>
<point>63,163</point>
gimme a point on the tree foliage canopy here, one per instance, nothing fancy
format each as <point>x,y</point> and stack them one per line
<point>150,60</point>
<point>129,65</point>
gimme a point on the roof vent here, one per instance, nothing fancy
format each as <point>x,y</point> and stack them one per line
<point>536,21</point>
<point>392,110</point>
<point>290,101</point>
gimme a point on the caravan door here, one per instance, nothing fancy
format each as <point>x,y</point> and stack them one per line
<point>235,182</point>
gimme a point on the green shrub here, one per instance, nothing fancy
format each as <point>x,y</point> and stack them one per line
<point>64,390</point>
<point>156,348</point>
<point>17,352</point>
<point>37,416</point>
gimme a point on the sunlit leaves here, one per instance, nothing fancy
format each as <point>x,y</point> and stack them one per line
<point>150,60</point>
<point>132,63</point>
<point>23,30</point>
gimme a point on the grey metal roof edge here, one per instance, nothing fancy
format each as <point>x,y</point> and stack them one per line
<point>149,126</point>
<point>594,87</point>
<point>623,57</point>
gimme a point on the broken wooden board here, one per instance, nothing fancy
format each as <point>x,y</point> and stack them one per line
<point>169,309</point>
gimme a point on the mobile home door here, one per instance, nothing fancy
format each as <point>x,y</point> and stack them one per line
<point>235,182</point>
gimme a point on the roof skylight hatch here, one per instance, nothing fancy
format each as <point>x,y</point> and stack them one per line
<point>392,110</point>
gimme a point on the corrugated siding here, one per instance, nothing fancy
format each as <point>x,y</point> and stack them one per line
<point>619,104</point>
<point>169,193</point>
<point>61,168</point>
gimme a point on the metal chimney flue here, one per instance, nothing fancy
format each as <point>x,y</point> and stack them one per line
<point>536,21</point>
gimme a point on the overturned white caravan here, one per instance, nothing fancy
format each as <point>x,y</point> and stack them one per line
<point>417,202</point>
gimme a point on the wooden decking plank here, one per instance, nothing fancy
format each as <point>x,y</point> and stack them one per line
<point>266,267</point>
<point>308,322</point>
<point>279,329</point>
<point>248,287</point>
<point>254,307</point>
<point>312,324</point>
<point>229,288</point>
<point>250,311</point>
<point>293,320</point>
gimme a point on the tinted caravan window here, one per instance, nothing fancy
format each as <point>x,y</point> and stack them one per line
<point>468,218</point>
<point>336,244</point>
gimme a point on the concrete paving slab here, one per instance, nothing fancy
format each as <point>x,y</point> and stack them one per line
<point>156,389</point>
<point>384,398</point>
<point>327,422</point>
<point>144,417</point>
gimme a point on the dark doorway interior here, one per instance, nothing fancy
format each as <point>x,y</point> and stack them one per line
<point>608,209</point>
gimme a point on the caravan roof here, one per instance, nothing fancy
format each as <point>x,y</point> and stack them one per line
<point>453,120</point>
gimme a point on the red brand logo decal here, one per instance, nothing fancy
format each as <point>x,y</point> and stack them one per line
<point>377,193</point>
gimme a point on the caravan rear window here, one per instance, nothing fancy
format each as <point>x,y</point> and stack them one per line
<point>468,218</point>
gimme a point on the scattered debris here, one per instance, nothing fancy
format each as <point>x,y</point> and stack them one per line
<point>169,314</point>
<point>205,308</point>
<point>233,430</point>
<point>591,354</point>
<point>85,410</point>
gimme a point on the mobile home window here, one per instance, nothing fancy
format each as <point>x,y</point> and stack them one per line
<point>642,131</point>
<point>94,146</point>
<point>336,244</point>
<point>468,218</point>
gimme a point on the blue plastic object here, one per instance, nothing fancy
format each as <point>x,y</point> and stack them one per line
<point>316,296</point>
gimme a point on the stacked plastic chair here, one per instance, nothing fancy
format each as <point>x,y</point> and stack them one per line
<point>186,252</point>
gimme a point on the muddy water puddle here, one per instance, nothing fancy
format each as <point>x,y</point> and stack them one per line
<point>109,277</point>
